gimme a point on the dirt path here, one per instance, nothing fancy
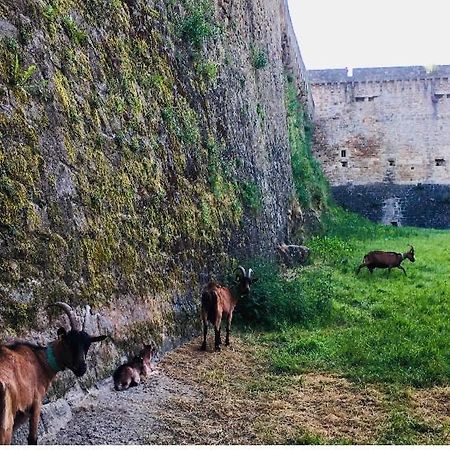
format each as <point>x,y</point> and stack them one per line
<point>232,398</point>
<point>131,417</point>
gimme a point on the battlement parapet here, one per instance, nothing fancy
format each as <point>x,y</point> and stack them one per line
<point>377,74</point>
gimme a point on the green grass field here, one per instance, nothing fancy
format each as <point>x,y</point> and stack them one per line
<point>369,328</point>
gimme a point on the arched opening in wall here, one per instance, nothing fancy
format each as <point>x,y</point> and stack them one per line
<point>343,153</point>
<point>439,162</point>
<point>394,223</point>
<point>391,161</point>
<point>344,163</point>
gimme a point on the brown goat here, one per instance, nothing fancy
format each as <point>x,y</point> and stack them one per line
<point>27,371</point>
<point>219,302</point>
<point>130,373</point>
<point>386,260</point>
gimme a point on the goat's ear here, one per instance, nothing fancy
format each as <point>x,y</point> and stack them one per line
<point>98,338</point>
<point>61,332</point>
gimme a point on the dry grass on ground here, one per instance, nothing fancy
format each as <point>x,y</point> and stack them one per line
<point>241,402</point>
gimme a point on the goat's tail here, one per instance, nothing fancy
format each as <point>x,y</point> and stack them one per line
<point>209,304</point>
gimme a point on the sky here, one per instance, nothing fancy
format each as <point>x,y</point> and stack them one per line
<point>372,33</point>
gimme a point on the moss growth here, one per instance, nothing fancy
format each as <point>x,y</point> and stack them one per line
<point>251,195</point>
<point>199,24</point>
<point>75,33</point>
<point>311,186</point>
<point>259,58</point>
<point>18,316</point>
<point>113,177</point>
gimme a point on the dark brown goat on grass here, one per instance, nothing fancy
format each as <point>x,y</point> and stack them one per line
<point>27,371</point>
<point>219,302</point>
<point>386,260</point>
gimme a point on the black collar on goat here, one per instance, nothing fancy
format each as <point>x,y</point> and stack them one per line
<point>219,302</point>
<point>27,371</point>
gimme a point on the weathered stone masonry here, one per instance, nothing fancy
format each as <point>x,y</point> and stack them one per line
<point>381,131</point>
<point>138,159</point>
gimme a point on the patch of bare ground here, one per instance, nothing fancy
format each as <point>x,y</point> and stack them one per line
<point>241,402</point>
<point>433,405</point>
<point>433,402</point>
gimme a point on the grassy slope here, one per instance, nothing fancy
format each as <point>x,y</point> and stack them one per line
<point>390,334</point>
<point>391,329</point>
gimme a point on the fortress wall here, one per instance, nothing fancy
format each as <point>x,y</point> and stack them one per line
<point>383,125</point>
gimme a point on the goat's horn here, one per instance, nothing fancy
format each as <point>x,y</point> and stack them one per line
<point>250,271</point>
<point>68,310</point>
<point>241,269</point>
<point>87,313</point>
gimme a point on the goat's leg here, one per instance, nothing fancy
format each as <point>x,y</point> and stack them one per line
<point>227,338</point>
<point>6,416</point>
<point>6,431</point>
<point>217,338</point>
<point>360,267</point>
<point>389,271</point>
<point>34,422</point>
<point>135,379</point>
<point>404,271</point>
<point>205,332</point>
<point>6,436</point>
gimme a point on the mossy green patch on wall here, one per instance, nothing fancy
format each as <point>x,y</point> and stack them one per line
<point>311,186</point>
<point>140,153</point>
<point>105,216</point>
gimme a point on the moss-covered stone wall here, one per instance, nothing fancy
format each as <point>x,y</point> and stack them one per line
<point>144,147</point>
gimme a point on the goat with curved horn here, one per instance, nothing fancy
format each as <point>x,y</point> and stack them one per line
<point>219,302</point>
<point>386,260</point>
<point>241,270</point>
<point>74,324</point>
<point>27,371</point>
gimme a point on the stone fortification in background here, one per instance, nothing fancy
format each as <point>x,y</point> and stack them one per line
<point>386,126</point>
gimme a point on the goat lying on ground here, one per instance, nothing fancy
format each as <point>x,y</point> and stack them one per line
<point>130,373</point>
<point>27,371</point>
<point>219,302</point>
<point>386,260</point>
